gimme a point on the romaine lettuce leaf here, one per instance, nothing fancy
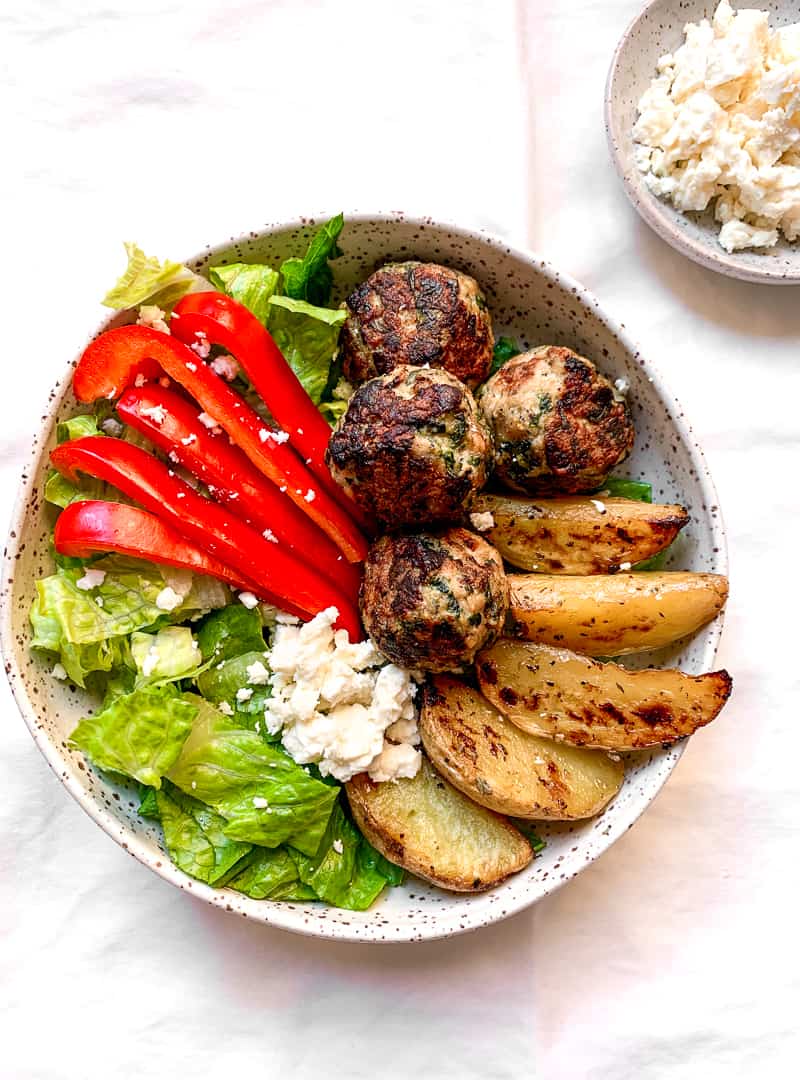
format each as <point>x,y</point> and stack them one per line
<point>252,284</point>
<point>340,872</point>
<point>148,804</point>
<point>170,653</point>
<point>310,278</point>
<point>265,797</point>
<point>77,427</point>
<point>620,487</point>
<point>307,336</point>
<point>231,631</point>
<point>195,838</point>
<point>270,874</point>
<point>139,735</point>
<point>222,680</point>
<point>146,279</point>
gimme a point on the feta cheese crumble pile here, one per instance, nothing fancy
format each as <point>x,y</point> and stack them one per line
<point>338,704</point>
<point>721,121</point>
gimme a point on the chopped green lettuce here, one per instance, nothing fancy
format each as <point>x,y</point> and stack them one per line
<point>223,680</point>
<point>270,874</point>
<point>139,735</point>
<point>310,278</point>
<point>342,872</point>
<point>231,631</point>
<point>528,829</point>
<point>265,797</point>
<point>504,350</point>
<point>147,280</point>
<point>171,653</point>
<point>82,624</point>
<point>61,492</point>
<point>148,804</point>
<point>76,428</point>
<point>252,284</point>
<point>195,837</point>
<point>620,487</point>
<point>307,336</point>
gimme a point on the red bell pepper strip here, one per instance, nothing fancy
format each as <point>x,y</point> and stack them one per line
<point>86,528</point>
<point>101,372</point>
<point>232,479</point>
<point>272,569</point>
<point>225,322</point>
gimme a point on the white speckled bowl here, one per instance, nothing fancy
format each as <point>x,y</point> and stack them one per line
<point>534,303</point>
<point>658,29</point>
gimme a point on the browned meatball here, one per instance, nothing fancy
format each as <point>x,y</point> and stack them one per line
<point>433,600</point>
<point>411,448</point>
<point>559,426</point>
<point>417,313</point>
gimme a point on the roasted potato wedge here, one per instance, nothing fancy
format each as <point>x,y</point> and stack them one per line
<point>504,768</point>
<point>555,692</point>
<point>428,827</point>
<point>608,615</point>
<point>579,534</point>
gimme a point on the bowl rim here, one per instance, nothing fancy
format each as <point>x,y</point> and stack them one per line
<point>657,213</point>
<point>305,919</point>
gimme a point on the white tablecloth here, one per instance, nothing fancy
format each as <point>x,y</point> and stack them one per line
<point>177,124</point>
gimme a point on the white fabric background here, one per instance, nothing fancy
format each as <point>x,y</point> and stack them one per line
<point>178,123</point>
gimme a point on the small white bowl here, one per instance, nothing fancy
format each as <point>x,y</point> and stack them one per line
<point>658,29</point>
<point>530,301</point>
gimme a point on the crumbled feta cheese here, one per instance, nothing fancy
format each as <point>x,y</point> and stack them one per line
<point>257,674</point>
<point>157,413</point>
<point>483,521</point>
<point>139,381</point>
<point>395,762</point>
<point>280,436</point>
<point>268,534</point>
<point>188,440</point>
<point>248,599</point>
<point>150,661</point>
<point>624,566</point>
<point>600,507</point>
<point>244,693</point>
<point>225,366</point>
<point>259,802</point>
<point>299,431</point>
<point>263,434</point>
<point>721,123</point>
<point>335,702</point>
<point>622,385</point>
<point>181,495</point>
<point>91,579</point>
<point>173,457</point>
<point>202,348</point>
<point>59,672</point>
<point>338,846</point>
<point>208,421</point>
<point>225,708</point>
<point>190,366</point>
<point>151,315</point>
<point>310,495</point>
<point>168,599</point>
<point>112,427</point>
<point>194,785</point>
<point>343,390</point>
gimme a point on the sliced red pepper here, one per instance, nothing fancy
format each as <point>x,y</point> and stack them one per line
<point>101,371</point>
<point>232,479</point>
<point>222,321</point>
<point>274,571</point>
<point>86,528</point>
<point>225,322</point>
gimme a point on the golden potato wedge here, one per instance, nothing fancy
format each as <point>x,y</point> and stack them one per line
<point>578,534</point>
<point>505,769</point>
<point>428,827</point>
<point>608,615</point>
<point>554,692</point>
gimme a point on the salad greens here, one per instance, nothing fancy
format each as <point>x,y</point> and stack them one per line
<point>146,280</point>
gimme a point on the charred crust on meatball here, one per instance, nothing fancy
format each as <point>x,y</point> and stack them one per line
<point>417,313</point>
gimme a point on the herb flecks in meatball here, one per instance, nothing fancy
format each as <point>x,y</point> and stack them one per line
<point>559,426</point>
<point>433,600</point>
<point>417,313</point>
<point>412,447</point>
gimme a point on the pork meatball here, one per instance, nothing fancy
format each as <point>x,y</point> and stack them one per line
<point>559,426</point>
<point>417,313</point>
<point>432,600</point>
<point>411,448</point>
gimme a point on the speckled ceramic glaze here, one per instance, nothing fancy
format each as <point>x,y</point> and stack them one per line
<point>658,30</point>
<point>535,304</point>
